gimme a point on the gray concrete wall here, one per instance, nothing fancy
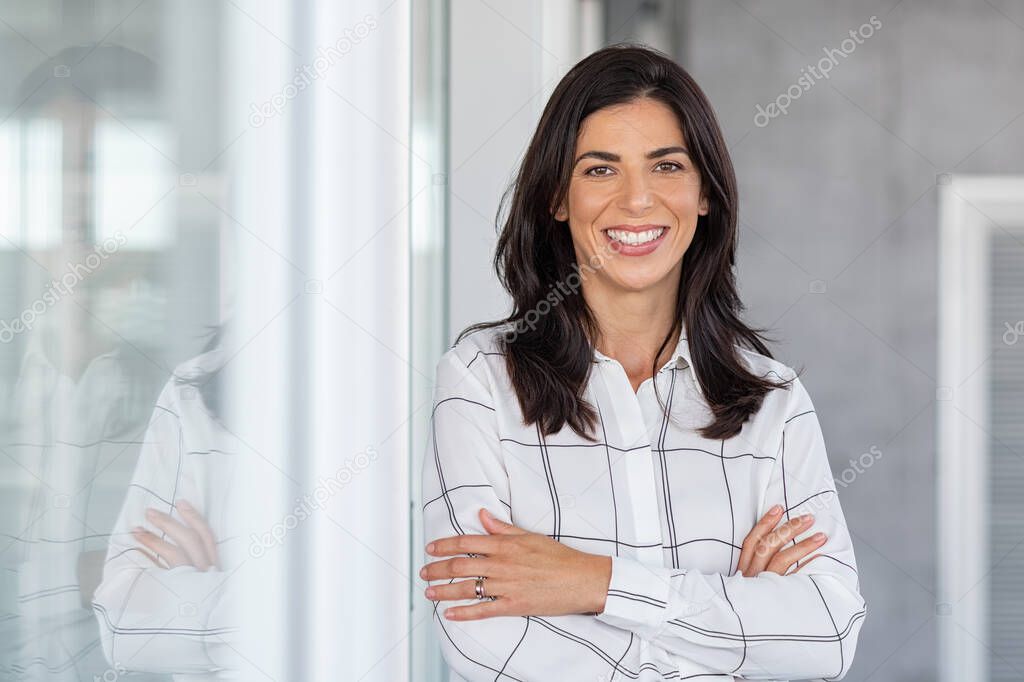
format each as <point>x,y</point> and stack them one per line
<point>839,237</point>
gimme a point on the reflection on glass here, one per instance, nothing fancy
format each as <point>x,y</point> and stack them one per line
<point>41,155</point>
<point>164,576</point>
<point>130,176</point>
<point>108,388</point>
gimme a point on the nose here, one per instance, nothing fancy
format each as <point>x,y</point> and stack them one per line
<point>636,194</point>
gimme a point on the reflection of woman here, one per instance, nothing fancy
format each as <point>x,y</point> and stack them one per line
<point>164,604</point>
<point>86,378</point>
<point>629,434</point>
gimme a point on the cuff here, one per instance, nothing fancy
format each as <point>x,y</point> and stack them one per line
<point>637,597</point>
<point>643,598</point>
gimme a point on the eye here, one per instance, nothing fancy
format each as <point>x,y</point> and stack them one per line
<point>671,164</point>
<point>591,173</point>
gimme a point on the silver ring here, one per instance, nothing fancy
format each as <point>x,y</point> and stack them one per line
<point>480,588</point>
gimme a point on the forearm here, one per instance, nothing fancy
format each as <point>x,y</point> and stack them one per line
<point>769,626</point>
<point>164,621</point>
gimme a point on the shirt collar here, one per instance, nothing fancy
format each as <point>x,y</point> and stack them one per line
<point>680,357</point>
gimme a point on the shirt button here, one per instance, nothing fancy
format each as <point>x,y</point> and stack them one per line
<point>681,363</point>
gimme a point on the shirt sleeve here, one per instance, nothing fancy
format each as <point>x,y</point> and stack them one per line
<point>463,470</point>
<point>154,619</point>
<point>801,625</point>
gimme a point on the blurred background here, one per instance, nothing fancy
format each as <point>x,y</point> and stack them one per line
<point>304,195</point>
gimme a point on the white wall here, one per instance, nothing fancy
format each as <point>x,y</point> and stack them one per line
<point>506,58</point>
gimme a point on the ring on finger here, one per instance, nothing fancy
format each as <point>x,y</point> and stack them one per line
<point>479,589</point>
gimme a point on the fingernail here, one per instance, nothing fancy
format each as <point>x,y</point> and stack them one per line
<point>423,572</point>
<point>182,504</point>
<point>806,518</point>
<point>818,537</point>
<point>776,509</point>
<point>138,529</point>
<point>430,547</point>
<point>449,614</point>
<point>429,592</point>
<point>150,513</point>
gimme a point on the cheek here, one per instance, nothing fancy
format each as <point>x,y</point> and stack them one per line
<point>688,215</point>
<point>587,204</point>
<point>585,210</point>
<point>685,203</point>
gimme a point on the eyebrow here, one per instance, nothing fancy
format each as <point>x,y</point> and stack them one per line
<point>608,156</point>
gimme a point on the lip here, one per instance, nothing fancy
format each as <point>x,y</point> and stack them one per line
<point>635,250</point>
<point>634,228</point>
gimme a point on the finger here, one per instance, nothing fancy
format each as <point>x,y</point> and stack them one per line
<point>197,523</point>
<point>182,536</point>
<point>801,566</point>
<point>760,529</point>
<point>768,545</point>
<point>171,555</point>
<point>149,555</point>
<point>787,557</point>
<point>789,530</point>
<point>480,610</point>
<point>492,524</point>
<point>459,567</point>
<point>462,589</point>
<point>464,544</point>
<point>791,555</point>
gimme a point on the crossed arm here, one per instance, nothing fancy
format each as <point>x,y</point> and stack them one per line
<point>763,622</point>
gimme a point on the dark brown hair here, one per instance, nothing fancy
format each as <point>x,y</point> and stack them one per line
<point>550,359</point>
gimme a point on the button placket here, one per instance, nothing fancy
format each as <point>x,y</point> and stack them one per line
<point>635,466</point>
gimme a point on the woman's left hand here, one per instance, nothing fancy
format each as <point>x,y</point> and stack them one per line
<point>191,543</point>
<point>529,573</point>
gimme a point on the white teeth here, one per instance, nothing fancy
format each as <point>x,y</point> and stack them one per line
<point>635,238</point>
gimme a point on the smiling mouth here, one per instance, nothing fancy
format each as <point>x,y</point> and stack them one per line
<point>630,238</point>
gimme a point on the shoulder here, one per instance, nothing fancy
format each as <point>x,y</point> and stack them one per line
<point>784,402</point>
<point>480,345</point>
<point>179,395</point>
<point>764,366</point>
<point>477,357</point>
<point>480,349</point>
<point>199,365</point>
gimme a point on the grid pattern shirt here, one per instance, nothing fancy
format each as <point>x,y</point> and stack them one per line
<point>669,506</point>
<point>177,620</point>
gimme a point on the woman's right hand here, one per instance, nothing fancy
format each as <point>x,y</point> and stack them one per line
<point>761,547</point>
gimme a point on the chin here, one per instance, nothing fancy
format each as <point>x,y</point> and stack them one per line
<point>639,282</point>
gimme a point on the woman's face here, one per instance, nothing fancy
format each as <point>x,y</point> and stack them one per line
<point>634,196</point>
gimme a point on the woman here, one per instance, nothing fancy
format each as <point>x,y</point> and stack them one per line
<point>165,604</point>
<point>622,483</point>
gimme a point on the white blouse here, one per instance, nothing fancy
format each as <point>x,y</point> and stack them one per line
<point>173,620</point>
<point>671,507</point>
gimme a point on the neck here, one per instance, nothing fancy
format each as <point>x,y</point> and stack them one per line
<point>633,324</point>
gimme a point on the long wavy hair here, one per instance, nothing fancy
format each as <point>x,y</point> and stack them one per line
<point>550,359</point>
